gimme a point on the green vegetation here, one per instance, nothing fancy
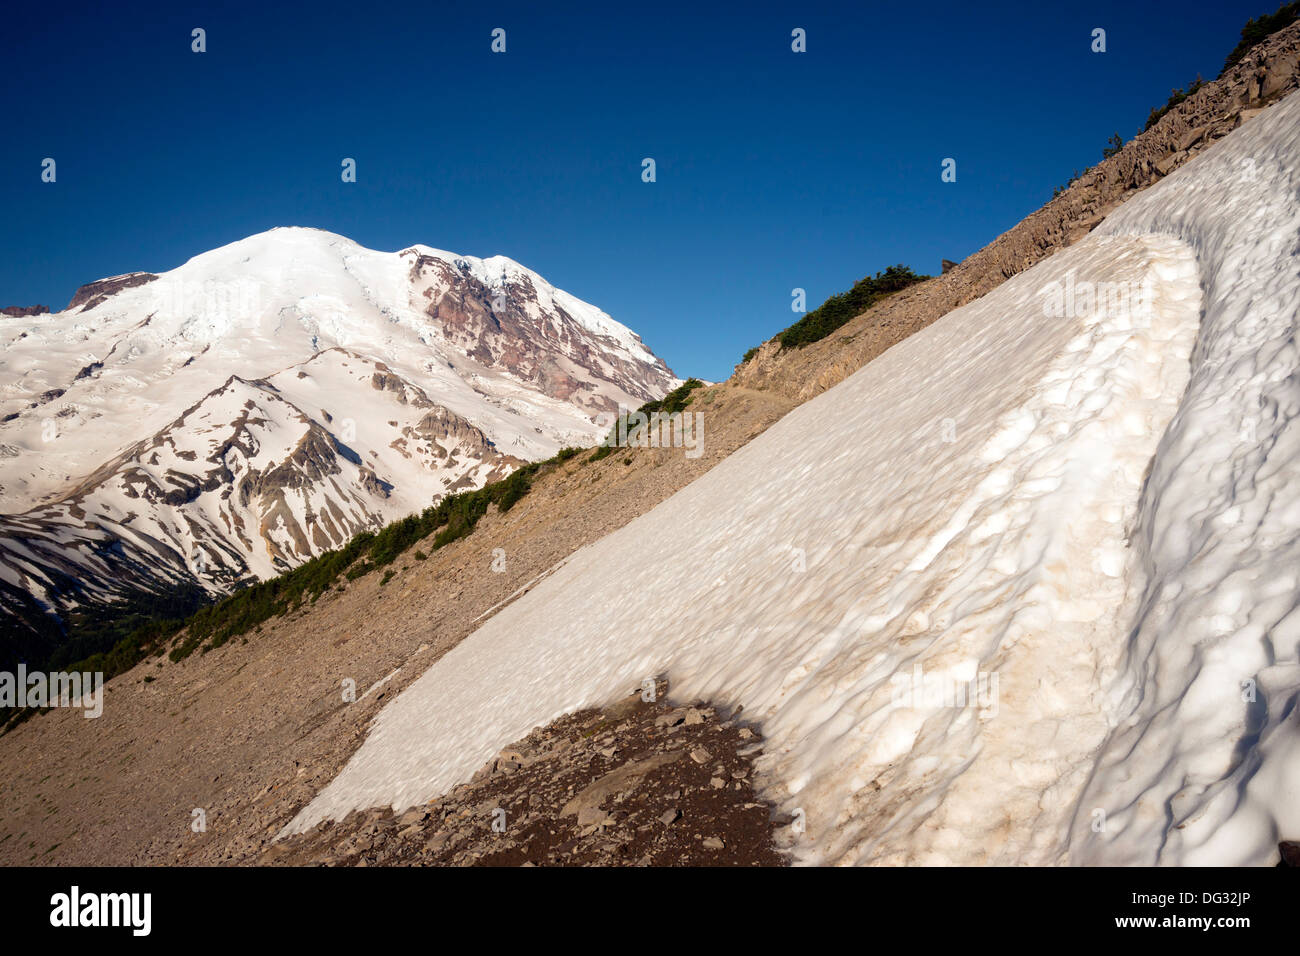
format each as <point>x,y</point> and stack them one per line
<point>1070,182</point>
<point>1252,33</point>
<point>672,403</point>
<point>92,632</point>
<point>1255,31</point>
<point>840,309</point>
<point>451,519</point>
<point>1175,97</point>
<point>1259,29</point>
<point>213,625</point>
<point>675,401</point>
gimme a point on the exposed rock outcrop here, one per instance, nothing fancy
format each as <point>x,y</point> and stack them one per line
<point>242,483</point>
<point>507,326</point>
<point>93,293</point>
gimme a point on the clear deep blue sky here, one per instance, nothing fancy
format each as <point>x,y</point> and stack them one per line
<point>775,169</point>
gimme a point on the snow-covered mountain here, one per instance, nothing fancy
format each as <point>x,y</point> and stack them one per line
<point>266,400</point>
<point>1021,590</point>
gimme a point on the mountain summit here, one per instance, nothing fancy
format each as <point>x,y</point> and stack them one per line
<point>269,399</point>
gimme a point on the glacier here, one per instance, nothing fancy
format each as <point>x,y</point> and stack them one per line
<point>368,386</point>
<point>124,368</point>
<point>1092,511</point>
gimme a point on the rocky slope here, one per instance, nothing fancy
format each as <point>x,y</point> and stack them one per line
<point>642,782</point>
<point>366,385</point>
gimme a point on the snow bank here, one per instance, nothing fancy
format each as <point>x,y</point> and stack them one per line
<point>922,581</point>
<point>1204,767</point>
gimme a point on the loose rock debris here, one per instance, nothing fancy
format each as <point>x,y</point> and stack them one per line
<point>646,783</point>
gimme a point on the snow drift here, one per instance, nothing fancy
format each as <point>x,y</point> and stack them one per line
<point>1022,590</point>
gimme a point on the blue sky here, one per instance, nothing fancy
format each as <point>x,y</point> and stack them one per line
<point>775,170</point>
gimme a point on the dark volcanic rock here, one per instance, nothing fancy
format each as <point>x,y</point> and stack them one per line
<point>93,293</point>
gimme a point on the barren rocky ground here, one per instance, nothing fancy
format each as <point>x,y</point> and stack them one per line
<point>641,782</point>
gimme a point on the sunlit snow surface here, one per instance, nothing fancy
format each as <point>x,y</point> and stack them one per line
<point>263,305</point>
<point>974,503</point>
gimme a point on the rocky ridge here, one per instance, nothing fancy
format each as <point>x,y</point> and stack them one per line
<point>1264,75</point>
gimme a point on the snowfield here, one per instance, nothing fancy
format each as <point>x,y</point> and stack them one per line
<point>1023,590</point>
<point>271,301</point>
